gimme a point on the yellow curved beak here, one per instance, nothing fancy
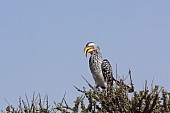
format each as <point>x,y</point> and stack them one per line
<point>87,50</point>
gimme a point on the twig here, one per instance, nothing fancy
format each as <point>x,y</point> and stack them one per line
<point>152,84</point>
<point>132,85</point>
<point>27,100</point>
<point>32,104</point>
<point>20,104</point>
<point>7,102</point>
<point>116,72</point>
<point>47,105</point>
<point>63,99</point>
<point>146,87</point>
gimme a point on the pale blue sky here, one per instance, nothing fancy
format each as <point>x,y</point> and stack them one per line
<point>41,44</point>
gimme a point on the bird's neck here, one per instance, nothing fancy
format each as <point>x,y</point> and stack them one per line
<point>97,56</point>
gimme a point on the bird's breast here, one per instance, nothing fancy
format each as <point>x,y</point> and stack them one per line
<point>95,67</point>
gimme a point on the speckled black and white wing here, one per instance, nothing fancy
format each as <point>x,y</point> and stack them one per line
<point>107,72</point>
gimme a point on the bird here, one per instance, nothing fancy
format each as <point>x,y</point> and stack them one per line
<point>100,68</point>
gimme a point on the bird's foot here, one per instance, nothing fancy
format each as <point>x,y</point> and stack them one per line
<point>96,90</point>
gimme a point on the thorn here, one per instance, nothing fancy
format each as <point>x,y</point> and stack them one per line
<point>88,82</point>
<point>78,89</point>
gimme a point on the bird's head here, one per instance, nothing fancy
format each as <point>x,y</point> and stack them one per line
<point>91,48</point>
